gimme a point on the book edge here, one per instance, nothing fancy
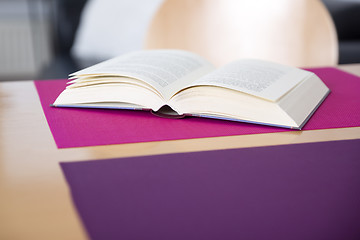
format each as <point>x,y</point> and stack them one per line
<point>314,109</point>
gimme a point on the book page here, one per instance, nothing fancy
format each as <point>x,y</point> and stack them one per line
<point>259,78</point>
<point>166,70</point>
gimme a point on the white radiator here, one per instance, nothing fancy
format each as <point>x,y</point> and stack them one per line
<point>25,45</point>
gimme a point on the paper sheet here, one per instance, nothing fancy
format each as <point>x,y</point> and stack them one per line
<point>91,127</point>
<point>301,191</point>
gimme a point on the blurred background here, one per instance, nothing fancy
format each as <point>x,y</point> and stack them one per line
<point>48,39</point>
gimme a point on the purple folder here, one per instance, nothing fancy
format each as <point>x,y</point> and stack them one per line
<point>91,127</point>
<point>304,191</point>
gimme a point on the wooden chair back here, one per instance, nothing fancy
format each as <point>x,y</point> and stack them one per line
<point>298,32</point>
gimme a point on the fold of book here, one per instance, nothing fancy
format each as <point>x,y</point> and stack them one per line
<point>246,90</point>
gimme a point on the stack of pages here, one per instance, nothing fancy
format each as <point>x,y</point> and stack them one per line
<point>179,83</point>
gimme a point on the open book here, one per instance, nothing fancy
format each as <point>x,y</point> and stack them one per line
<point>180,83</point>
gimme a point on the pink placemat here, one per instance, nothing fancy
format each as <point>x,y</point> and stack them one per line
<point>72,127</point>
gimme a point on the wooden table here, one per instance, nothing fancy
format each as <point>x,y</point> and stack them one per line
<point>35,201</point>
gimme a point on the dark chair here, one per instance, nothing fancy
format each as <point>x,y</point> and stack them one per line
<point>65,22</point>
<point>346,16</point>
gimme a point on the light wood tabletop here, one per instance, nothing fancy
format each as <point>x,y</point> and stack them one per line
<point>35,202</point>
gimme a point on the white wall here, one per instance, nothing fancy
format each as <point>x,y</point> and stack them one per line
<point>112,27</point>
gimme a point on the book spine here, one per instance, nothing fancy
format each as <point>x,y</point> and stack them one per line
<point>243,121</point>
